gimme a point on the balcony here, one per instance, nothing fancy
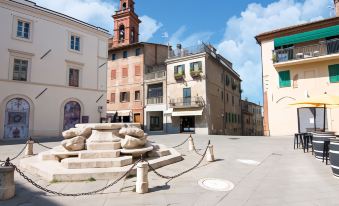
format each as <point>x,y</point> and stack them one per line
<point>155,100</point>
<point>190,102</point>
<point>186,51</point>
<point>159,75</point>
<point>306,53</point>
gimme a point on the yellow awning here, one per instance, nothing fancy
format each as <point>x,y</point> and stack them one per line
<point>184,113</point>
<point>323,100</point>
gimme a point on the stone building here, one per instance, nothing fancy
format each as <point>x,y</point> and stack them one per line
<point>53,71</point>
<point>203,92</point>
<point>130,63</point>
<point>298,62</point>
<point>252,119</point>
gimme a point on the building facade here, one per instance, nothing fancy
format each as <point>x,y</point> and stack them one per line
<point>133,74</point>
<point>53,71</point>
<point>252,119</point>
<point>298,62</point>
<point>203,92</point>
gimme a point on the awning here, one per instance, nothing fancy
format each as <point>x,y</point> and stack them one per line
<point>111,112</point>
<point>124,113</point>
<point>184,113</point>
<point>307,36</point>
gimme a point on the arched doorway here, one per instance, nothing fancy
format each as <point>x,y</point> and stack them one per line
<point>72,114</point>
<point>17,119</point>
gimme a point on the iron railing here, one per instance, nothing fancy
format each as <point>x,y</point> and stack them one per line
<point>155,100</point>
<point>187,102</point>
<point>316,50</point>
<point>187,51</point>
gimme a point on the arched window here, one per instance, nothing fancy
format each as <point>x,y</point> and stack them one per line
<point>72,114</point>
<point>121,33</point>
<point>132,35</point>
<point>124,6</point>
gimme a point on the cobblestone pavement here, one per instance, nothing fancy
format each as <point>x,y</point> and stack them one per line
<point>277,175</point>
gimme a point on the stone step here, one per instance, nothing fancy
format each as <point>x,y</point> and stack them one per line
<point>103,146</point>
<point>95,154</point>
<point>76,163</point>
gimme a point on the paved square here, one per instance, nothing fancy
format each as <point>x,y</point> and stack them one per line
<point>264,171</point>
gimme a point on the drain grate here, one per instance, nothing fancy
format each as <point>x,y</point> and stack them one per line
<point>216,184</point>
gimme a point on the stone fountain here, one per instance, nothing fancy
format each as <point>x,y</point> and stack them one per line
<point>99,151</point>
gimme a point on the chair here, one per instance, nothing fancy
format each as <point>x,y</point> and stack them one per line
<point>298,139</point>
<point>326,150</point>
<point>308,141</point>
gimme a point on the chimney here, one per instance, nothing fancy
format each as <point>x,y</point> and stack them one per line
<point>336,7</point>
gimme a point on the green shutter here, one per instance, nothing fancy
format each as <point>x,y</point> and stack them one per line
<point>307,36</point>
<point>334,73</point>
<point>284,79</point>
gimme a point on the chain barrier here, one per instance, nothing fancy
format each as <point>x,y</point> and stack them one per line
<point>195,150</point>
<point>8,163</point>
<point>36,141</point>
<point>181,143</point>
<point>182,173</point>
<point>11,159</point>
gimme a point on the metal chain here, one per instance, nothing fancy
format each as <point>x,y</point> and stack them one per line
<point>66,194</point>
<point>195,150</point>
<point>36,141</point>
<point>11,159</point>
<point>181,143</point>
<point>182,173</point>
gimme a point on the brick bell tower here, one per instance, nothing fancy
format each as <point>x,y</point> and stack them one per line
<point>126,24</point>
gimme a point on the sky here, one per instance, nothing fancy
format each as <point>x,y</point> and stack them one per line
<point>229,25</point>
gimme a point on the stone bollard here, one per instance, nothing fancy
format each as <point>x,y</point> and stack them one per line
<point>191,144</point>
<point>29,148</point>
<point>142,178</point>
<point>7,186</point>
<point>210,154</point>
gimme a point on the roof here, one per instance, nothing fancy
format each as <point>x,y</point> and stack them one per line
<point>297,29</point>
<point>33,5</point>
<point>134,45</point>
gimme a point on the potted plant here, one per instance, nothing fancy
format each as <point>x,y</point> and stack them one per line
<point>179,76</point>
<point>196,73</point>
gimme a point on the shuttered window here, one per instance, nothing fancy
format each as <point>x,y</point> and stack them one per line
<point>137,71</point>
<point>284,79</point>
<point>334,73</point>
<point>124,72</point>
<point>112,97</point>
<point>113,74</point>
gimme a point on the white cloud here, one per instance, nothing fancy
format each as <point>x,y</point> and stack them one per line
<point>148,28</point>
<point>239,45</point>
<point>191,40</point>
<point>97,12</point>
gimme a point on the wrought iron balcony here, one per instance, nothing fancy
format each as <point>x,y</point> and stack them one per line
<point>187,102</point>
<point>297,53</point>
<point>155,100</point>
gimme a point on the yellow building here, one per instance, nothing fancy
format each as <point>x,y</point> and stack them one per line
<point>300,61</point>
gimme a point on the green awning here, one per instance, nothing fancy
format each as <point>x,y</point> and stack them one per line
<point>307,36</point>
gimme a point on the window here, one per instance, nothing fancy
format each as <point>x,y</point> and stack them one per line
<point>124,72</point>
<point>155,90</point>
<point>137,71</point>
<point>180,69</point>
<point>124,97</point>
<point>232,100</point>
<point>121,33</point>
<point>20,70</point>
<point>112,98</point>
<point>227,97</point>
<point>75,43</point>
<point>113,74</point>
<point>284,79</point>
<point>23,29</point>
<point>114,57</point>
<point>125,54</point>
<point>334,73</point>
<point>196,66</point>
<point>137,96</point>
<point>73,78</point>
<point>137,52</point>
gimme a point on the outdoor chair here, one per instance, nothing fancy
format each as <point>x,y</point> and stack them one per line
<point>298,140</point>
<point>308,138</point>
<point>326,150</point>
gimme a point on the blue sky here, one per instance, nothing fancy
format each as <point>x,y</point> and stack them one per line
<point>229,25</point>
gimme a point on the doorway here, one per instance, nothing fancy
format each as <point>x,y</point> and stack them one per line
<point>187,96</point>
<point>187,124</point>
<point>17,119</point>
<point>72,115</point>
<point>311,119</point>
<point>137,118</point>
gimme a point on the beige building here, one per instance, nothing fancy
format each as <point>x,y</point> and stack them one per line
<point>203,92</point>
<point>298,62</point>
<point>252,119</point>
<point>53,71</point>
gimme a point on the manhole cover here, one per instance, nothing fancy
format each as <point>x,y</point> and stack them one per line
<point>216,184</point>
<point>249,162</point>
